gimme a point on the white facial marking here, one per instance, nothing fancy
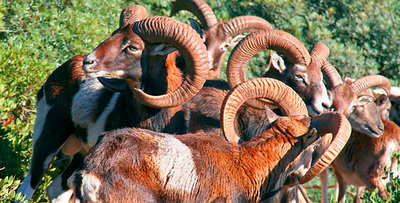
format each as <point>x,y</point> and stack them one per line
<point>177,168</point>
<point>96,74</point>
<point>91,57</point>
<point>119,73</point>
<point>86,67</point>
<point>320,104</point>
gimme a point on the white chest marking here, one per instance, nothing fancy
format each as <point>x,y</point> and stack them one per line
<point>84,105</point>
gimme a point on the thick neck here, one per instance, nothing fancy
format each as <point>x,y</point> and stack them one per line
<point>268,158</point>
<point>161,74</point>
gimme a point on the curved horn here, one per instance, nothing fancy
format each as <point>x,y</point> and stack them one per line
<point>370,81</point>
<point>331,75</point>
<point>274,90</point>
<point>243,24</point>
<point>278,40</point>
<point>199,8</point>
<point>319,54</point>
<point>339,126</point>
<point>189,43</point>
<point>131,14</point>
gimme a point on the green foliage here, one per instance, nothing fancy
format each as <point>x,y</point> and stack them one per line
<point>363,37</point>
<point>1,15</point>
<point>8,187</point>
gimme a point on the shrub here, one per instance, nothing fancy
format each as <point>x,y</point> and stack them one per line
<point>8,187</point>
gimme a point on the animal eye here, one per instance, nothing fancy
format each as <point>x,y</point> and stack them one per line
<point>132,48</point>
<point>224,46</point>
<point>298,77</point>
<point>365,99</point>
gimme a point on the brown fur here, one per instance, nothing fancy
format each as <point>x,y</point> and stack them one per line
<point>65,79</point>
<point>225,171</point>
<point>363,157</point>
<point>365,118</point>
<point>205,113</point>
<point>174,74</point>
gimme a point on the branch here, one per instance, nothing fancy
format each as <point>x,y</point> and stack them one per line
<point>9,31</point>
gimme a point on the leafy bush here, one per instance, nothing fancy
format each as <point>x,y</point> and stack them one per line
<point>8,187</point>
<point>363,37</point>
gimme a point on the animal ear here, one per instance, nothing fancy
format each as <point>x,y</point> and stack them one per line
<point>294,126</point>
<point>310,136</point>
<point>277,62</point>
<point>161,50</point>
<point>381,99</point>
<point>196,26</point>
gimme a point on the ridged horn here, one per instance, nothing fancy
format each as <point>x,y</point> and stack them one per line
<point>277,92</point>
<point>277,40</point>
<point>371,81</point>
<point>188,42</point>
<point>131,14</point>
<point>319,53</point>
<point>244,24</point>
<point>340,128</point>
<point>331,75</point>
<point>199,8</point>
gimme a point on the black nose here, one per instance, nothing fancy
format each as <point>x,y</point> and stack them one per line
<point>88,61</point>
<point>326,105</point>
<point>381,128</point>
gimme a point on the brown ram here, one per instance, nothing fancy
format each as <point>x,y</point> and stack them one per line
<point>301,70</point>
<point>133,165</point>
<point>142,47</point>
<point>363,159</point>
<point>354,100</point>
<point>218,36</point>
<point>205,106</point>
